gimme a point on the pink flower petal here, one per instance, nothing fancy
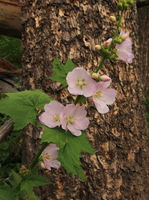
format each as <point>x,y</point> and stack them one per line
<point>53,107</point>
<point>82,125</point>
<point>125,50</point>
<point>47,120</point>
<point>55,164</point>
<point>80,112</point>
<point>109,95</point>
<point>73,130</point>
<point>101,107</point>
<point>51,116</point>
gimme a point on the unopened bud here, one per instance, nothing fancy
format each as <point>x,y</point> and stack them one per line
<point>97,47</point>
<point>105,78</point>
<point>107,42</point>
<point>113,18</point>
<point>95,75</point>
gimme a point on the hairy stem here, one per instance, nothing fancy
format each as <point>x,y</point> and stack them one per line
<point>36,159</point>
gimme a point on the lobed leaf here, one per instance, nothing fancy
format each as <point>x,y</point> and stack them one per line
<point>60,71</point>
<point>70,146</point>
<point>22,106</point>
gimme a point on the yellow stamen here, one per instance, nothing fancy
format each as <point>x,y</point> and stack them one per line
<point>81,83</point>
<point>46,156</point>
<point>69,120</point>
<point>98,94</point>
<point>56,118</point>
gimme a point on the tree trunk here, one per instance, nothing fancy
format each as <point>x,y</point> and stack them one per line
<point>143,16</point>
<point>10,18</point>
<point>71,29</point>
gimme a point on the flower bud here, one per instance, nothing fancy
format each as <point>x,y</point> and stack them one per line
<point>107,42</point>
<point>105,78</point>
<point>95,75</point>
<point>97,47</point>
<point>113,18</point>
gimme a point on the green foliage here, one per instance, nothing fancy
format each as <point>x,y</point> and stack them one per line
<point>125,4</point>
<point>20,186</point>
<point>6,192</point>
<point>22,106</point>
<point>60,71</point>
<point>11,50</point>
<point>80,99</point>
<point>10,153</point>
<point>33,179</point>
<point>71,148</point>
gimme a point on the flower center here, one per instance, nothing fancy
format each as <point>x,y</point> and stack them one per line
<point>69,120</point>
<point>81,83</point>
<point>46,156</point>
<point>56,118</point>
<point>98,94</point>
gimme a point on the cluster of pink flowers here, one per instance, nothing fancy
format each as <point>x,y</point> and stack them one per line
<point>72,117</point>
<point>80,83</point>
<point>69,117</point>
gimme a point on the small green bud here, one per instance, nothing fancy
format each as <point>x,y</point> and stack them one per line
<point>114,51</point>
<point>113,57</point>
<point>119,40</point>
<point>105,51</point>
<point>120,5</point>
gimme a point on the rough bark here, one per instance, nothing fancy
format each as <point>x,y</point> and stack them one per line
<point>10,18</point>
<point>71,29</point>
<point>143,16</point>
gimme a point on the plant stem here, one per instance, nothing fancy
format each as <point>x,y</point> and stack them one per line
<point>117,29</point>
<point>101,63</point>
<point>36,159</point>
<point>112,43</point>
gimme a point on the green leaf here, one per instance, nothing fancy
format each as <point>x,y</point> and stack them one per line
<point>6,193</point>
<point>70,146</point>
<point>80,99</point>
<point>15,179</point>
<point>22,106</point>
<point>33,180</point>
<point>60,71</point>
<point>54,135</point>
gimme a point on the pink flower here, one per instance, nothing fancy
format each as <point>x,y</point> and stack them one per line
<point>125,48</point>
<point>104,96</point>
<point>49,156</point>
<point>74,119</point>
<point>80,82</point>
<point>51,116</point>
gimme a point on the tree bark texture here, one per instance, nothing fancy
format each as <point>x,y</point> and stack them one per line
<point>10,18</point>
<point>70,29</point>
<point>143,16</point>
